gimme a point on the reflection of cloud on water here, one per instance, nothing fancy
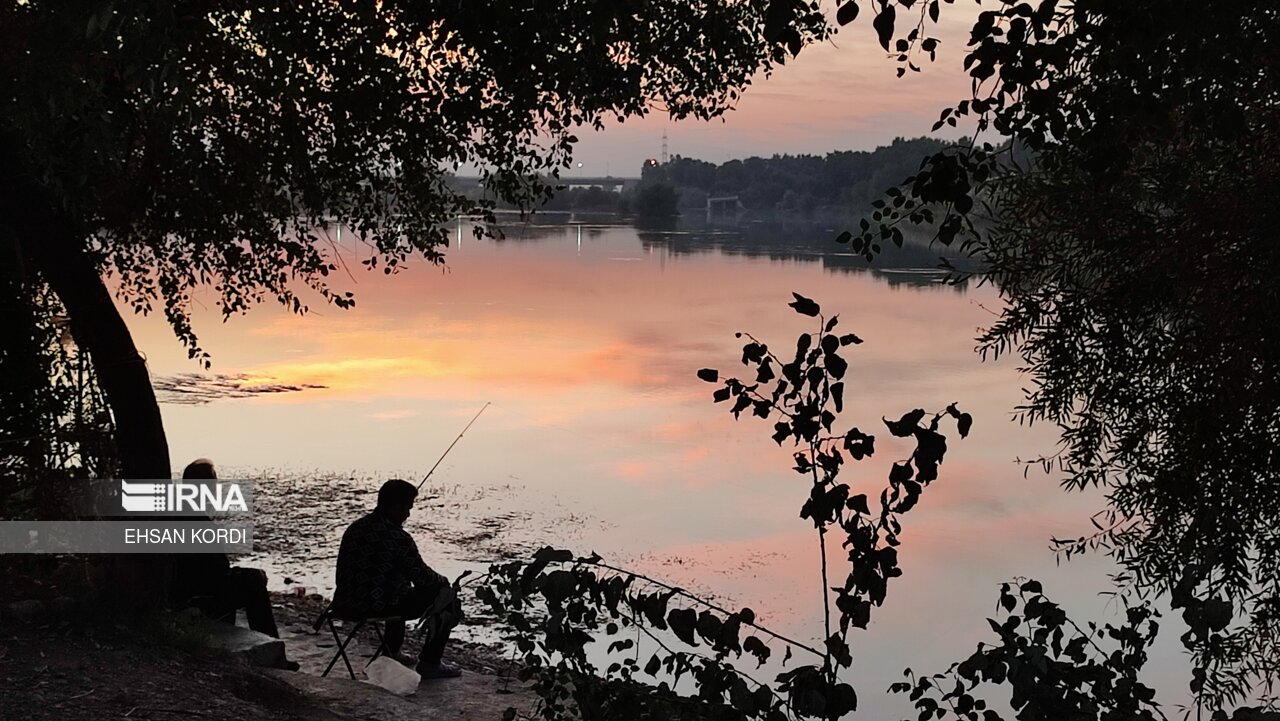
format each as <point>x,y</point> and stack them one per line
<point>527,355</point>
<point>199,388</point>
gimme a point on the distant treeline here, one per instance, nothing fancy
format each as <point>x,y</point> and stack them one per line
<point>840,185</point>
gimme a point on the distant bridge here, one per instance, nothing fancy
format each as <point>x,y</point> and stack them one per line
<point>608,182</point>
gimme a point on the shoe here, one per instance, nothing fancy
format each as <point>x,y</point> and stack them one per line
<point>440,670</point>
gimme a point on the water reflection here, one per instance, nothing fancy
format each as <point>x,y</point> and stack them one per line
<point>587,339</point>
<point>917,263</point>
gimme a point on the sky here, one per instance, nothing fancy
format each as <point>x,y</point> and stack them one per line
<point>840,95</point>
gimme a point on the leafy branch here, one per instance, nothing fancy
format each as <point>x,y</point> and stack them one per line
<point>558,606</point>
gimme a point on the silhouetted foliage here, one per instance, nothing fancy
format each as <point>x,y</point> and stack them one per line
<point>559,606</point>
<point>174,147</point>
<point>1130,228</point>
<point>1054,669</point>
<point>54,425</point>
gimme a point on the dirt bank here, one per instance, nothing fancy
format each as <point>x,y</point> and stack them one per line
<point>164,671</point>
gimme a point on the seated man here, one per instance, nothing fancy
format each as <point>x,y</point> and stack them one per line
<point>380,573</point>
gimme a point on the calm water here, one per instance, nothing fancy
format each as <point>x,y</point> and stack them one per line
<point>586,341</point>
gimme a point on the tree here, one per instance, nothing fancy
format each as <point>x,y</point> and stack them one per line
<point>841,182</point>
<point>656,199</point>
<point>168,147</point>
<point>1126,213</point>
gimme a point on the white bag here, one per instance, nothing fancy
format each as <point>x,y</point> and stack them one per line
<point>393,676</point>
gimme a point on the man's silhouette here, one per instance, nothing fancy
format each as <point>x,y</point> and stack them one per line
<point>380,573</point>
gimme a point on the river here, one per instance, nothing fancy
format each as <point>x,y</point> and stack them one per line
<point>586,340</point>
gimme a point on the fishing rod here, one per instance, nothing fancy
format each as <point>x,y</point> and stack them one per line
<point>451,445</point>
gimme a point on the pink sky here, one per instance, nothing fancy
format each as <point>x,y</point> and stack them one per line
<point>842,95</point>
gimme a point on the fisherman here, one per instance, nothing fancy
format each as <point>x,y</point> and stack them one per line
<point>381,574</point>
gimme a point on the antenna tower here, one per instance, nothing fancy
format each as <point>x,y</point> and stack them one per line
<point>665,157</point>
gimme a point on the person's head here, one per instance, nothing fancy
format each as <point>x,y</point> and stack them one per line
<point>395,499</point>
<point>201,469</point>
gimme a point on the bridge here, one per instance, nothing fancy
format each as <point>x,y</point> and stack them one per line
<point>608,182</point>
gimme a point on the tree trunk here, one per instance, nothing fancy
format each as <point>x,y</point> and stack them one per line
<point>54,244</point>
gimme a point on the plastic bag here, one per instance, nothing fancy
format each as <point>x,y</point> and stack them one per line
<point>393,676</point>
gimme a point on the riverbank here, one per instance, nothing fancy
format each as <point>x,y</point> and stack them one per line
<point>167,670</point>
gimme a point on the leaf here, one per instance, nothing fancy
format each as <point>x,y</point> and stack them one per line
<point>930,448</point>
<point>709,626</point>
<point>836,365</point>
<point>655,608</point>
<point>846,236</point>
<point>883,24</point>
<point>765,374</point>
<point>720,395</point>
<point>964,424</point>
<point>859,444</point>
<point>547,554</point>
<point>781,431</point>
<point>907,424</point>
<point>683,621</point>
<point>859,503</point>
<point>710,375</point>
<point>804,306</point>
<point>845,15</point>
<point>861,615</point>
<point>756,647</point>
<point>654,665</point>
<point>838,650</point>
<point>753,353</point>
<point>849,339</point>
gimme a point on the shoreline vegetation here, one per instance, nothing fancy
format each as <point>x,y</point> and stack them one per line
<point>838,187</point>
